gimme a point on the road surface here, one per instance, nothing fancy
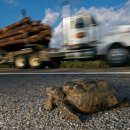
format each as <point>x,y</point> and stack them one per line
<point>22,97</point>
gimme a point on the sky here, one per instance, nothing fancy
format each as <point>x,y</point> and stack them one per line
<point>107,12</point>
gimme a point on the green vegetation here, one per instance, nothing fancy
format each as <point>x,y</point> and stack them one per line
<point>85,64</point>
<point>74,64</point>
<point>6,66</point>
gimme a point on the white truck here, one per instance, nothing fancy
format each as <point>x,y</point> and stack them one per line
<point>84,39</point>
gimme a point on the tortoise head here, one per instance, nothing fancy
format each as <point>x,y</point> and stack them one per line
<point>55,92</point>
<point>74,87</point>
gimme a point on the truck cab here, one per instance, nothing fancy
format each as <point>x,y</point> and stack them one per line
<point>83,39</point>
<point>80,34</point>
<point>82,31</point>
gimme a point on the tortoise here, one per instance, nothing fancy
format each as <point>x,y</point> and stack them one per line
<point>83,96</point>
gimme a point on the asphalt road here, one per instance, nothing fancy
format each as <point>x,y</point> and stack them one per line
<point>22,97</point>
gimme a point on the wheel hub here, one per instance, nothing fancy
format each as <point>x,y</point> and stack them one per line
<point>20,62</point>
<point>35,61</point>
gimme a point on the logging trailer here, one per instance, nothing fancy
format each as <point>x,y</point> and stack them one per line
<point>26,43</point>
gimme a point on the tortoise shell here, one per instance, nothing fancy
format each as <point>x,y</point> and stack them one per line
<point>90,96</point>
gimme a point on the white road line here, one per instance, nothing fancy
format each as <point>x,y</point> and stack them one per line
<point>63,73</point>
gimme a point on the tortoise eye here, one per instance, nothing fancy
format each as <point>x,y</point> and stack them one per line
<point>52,88</point>
<point>79,87</point>
<point>75,86</point>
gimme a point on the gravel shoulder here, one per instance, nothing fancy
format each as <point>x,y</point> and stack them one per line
<point>22,98</point>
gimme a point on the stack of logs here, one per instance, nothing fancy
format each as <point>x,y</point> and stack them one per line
<point>25,32</point>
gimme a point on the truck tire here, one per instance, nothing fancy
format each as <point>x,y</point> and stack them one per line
<point>117,56</point>
<point>34,61</point>
<point>21,61</point>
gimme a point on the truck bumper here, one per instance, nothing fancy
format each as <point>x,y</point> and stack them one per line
<point>80,54</point>
<point>74,54</point>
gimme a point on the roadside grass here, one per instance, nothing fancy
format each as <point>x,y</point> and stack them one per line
<point>84,64</point>
<point>6,66</point>
<point>74,64</point>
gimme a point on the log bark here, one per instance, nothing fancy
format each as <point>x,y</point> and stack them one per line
<point>17,24</point>
<point>22,41</point>
<point>25,29</point>
<point>12,33</point>
<point>25,32</point>
<point>38,37</point>
<point>16,37</point>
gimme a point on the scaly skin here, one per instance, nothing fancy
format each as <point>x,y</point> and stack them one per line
<point>48,103</point>
<point>68,112</point>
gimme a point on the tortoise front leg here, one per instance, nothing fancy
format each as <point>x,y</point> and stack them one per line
<point>67,111</point>
<point>48,103</point>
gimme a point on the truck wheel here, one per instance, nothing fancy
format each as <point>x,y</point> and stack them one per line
<point>21,61</point>
<point>117,57</point>
<point>34,61</point>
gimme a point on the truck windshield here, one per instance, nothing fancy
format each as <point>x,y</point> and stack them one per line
<point>80,23</point>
